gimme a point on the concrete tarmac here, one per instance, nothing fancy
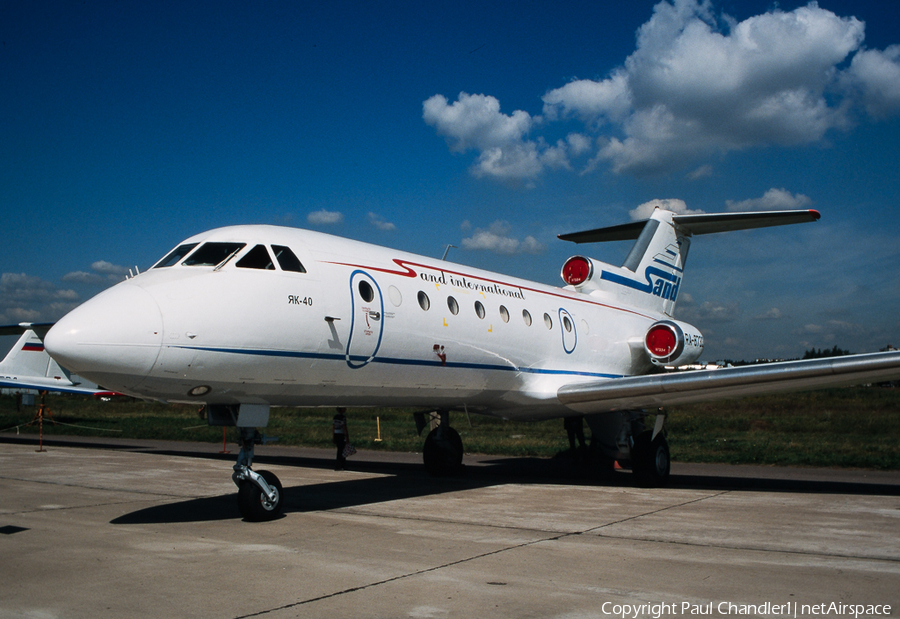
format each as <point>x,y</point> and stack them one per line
<point>101,528</point>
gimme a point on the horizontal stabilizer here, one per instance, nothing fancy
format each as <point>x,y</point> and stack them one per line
<point>697,224</point>
<point>40,328</point>
<point>704,385</point>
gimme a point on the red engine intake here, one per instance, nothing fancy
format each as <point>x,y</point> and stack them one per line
<point>669,342</point>
<point>577,270</point>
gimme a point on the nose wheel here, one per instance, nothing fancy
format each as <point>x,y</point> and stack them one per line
<point>257,504</point>
<point>260,493</point>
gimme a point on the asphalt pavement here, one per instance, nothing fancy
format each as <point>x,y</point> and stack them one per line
<point>118,528</point>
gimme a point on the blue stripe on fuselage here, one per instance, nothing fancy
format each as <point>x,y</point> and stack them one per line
<point>400,361</point>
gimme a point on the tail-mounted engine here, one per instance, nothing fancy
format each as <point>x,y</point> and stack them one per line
<point>673,343</point>
<point>577,271</point>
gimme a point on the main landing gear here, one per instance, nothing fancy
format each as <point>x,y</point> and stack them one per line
<point>622,436</point>
<point>259,492</point>
<point>650,460</point>
<point>443,450</point>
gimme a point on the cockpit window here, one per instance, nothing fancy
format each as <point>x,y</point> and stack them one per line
<point>175,255</point>
<point>287,259</point>
<point>256,258</point>
<point>211,254</point>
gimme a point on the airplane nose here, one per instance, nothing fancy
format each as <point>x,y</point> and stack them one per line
<point>113,339</point>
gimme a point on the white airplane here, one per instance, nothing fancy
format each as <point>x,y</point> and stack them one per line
<point>28,367</point>
<point>244,318</point>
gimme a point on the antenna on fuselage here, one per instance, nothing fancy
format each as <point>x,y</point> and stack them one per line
<point>447,251</point>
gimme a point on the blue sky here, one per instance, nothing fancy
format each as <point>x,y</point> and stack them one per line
<point>492,126</point>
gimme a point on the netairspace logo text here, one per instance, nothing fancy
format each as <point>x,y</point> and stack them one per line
<point>789,609</point>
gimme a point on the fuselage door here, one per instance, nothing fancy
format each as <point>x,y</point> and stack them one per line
<point>569,335</point>
<point>367,321</point>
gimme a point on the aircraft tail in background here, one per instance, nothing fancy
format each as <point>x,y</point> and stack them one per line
<point>27,366</point>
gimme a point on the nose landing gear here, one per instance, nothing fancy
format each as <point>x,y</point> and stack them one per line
<point>259,493</point>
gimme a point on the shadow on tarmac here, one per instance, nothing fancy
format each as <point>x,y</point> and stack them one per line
<point>404,480</point>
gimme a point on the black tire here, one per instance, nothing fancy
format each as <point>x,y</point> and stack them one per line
<point>443,452</point>
<point>254,505</point>
<point>650,461</point>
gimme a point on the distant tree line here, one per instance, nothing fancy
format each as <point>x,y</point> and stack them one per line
<point>817,353</point>
<point>814,353</point>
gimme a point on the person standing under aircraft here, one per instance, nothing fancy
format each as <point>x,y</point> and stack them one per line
<point>575,429</point>
<point>340,437</point>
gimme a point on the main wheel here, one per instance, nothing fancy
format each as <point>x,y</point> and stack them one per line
<point>443,452</point>
<point>650,460</point>
<point>254,505</point>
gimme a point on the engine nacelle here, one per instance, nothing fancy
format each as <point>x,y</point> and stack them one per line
<point>669,342</point>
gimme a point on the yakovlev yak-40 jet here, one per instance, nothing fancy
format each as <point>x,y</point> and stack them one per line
<point>244,318</point>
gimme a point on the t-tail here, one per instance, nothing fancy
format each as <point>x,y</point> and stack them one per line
<point>651,276</point>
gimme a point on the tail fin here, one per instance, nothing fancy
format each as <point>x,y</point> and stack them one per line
<point>28,358</point>
<point>650,278</point>
<point>28,366</point>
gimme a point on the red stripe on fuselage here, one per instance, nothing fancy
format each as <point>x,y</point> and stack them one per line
<point>409,272</point>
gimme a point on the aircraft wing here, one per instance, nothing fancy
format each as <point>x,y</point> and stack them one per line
<point>659,390</point>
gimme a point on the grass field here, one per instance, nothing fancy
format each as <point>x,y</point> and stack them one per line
<point>852,427</point>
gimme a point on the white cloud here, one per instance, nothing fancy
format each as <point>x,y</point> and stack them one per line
<point>379,222</point>
<point>26,298</point>
<point>830,332</point>
<point>704,171</point>
<point>876,75</point>
<point>772,200</point>
<point>710,311</point>
<point>512,161</point>
<point>593,102</point>
<point>108,268</point>
<point>770,314</point>
<point>695,85</point>
<point>531,245</point>
<point>325,218</point>
<point>104,274</point>
<point>83,277</point>
<point>475,122</point>
<point>496,239</point>
<point>645,210</point>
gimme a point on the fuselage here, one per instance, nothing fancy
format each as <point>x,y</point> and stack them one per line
<point>336,322</point>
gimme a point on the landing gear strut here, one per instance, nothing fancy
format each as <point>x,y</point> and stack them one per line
<point>650,460</point>
<point>623,436</point>
<point>443,450</point>
<point>259,493</point>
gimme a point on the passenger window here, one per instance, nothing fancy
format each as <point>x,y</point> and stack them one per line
<point>212,254</point>
<point>175,255</point>
<point>479,309</point>
<point>453,305</point>
<point>424,301</point>
<point>567,324</point>
<point>526,317</point>
<point>504,314</point>
<point>287,260</point>
<point>548,321</point>
<point>256,258</point>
